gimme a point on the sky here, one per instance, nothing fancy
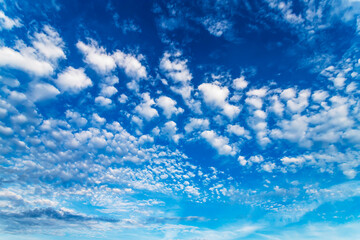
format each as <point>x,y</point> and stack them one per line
<point>199,120</point>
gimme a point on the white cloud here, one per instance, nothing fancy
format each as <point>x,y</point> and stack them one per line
<point>221,144</point>
<point>260,93</point>
<point>6,131</point>
<point>240,83</point>
<point>236,130</point>
<point>352,135</point>
<point>43,91</point>
<point>168,106</point>
<point>288,93</point>
<point>268,167</point>
<point>339,80</point>
<point>215,95</point>
<point>96,118</point>
<point>351,87</point>
<point>277,107</point>
<point>49,44</point>
<point>295,130</point>
<point>175,68</point>
<point>108,91</point>
<point>196,124</point>
<point>260,114</point>
<point>255,102</point>
<point>8,23</point>
<point>216,27</point>
<point>76,118</point>
<point>256,159</point>
<point>242,160</point>
<point>319,96</point>
<point>73,80</point>
<point>145,109</point>
<point>184,90</point>
<point>103,101</point>
<point>297,105</point>
<point>170,130</point>
<point>19,119</point>
<point>350,173</point>
<point>38,60</point>
<point>17,97</point>
<point>131,65</point>
<point>97,57</point>
<point>25,60</point>
<point>123,98</point>
<point>293,160</point>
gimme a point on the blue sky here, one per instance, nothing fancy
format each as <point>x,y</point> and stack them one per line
<point>179,119</point>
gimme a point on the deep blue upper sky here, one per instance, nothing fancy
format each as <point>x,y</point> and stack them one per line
<point>179,119</point>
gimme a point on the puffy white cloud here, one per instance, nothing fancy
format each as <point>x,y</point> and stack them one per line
<point>170,130</point>
<point>73,80</point>
<point>145,109</point>
<point>11,82</point>
<point>17,97</point>
<point>288,93</point>
<point>221,144</point>
<point>123,98</point>
<point>352,135</point>
<point>97,57</point>
<point>336,76</point>
<point>43,91</point>
<point>254,101</point>
<point>184,90</point>
<point>103,101</point>
<point>239,83</point>
<point>25,60</point>
<point>339,80</point>
<point>350,173</point>
<point>108,91</point>
<point>258,123</point>
<point>38,60</point>
<point>294,130</point>
<point>260,114</point>
<point>131,65</point>
<point>6,131</point>
<point>217,27</point>
<point>256,159</point>
<point>168,106</point>
<point>260,93</point>
<point>175,68</point>
<point>19,119</point>
<point>76,118</point>
<point>96,118</point>
<point>292,160</point>
<point>351,87</point>
<point>297,105</point>
<point>236,130</point>
<point>49,43</point>
<point>268,167</point>
<point>319,96</point>
<point>196,124</point>
<point>8,23</point>
<point>277,107</point>
<point>192,190</point>
<point>242,160</point>
<point>215,95</point>
<point>3,112</point>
